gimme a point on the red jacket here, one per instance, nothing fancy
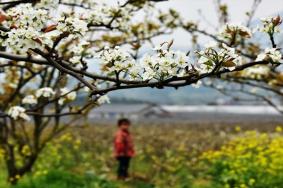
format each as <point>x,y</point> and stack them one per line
<point>123,144</point>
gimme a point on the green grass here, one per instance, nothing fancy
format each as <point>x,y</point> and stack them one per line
<point>3,182</point>
<point>63,179</point>
<point>60,179</point>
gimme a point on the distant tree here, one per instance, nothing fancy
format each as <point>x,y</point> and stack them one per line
<point>50,52</point>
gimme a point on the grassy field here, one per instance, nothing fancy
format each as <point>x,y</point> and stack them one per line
<point>173,155</point>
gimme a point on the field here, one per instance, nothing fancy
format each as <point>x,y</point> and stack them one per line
<point>168,155</point>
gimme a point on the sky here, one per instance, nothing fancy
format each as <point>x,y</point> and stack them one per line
<point>189,9</point>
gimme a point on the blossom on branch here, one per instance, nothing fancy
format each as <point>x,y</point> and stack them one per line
<point>197,84</point>
<point>72,24</point>
<point>164,64</point>
<point>47,4</point>
<point>219,58</point>
<point>271,25</point>
<point>29,99</point>
<point>256,72</point>
<point>18,112</point>
<point>232,31</point>
<point>66,96</point>
<point>45,92</point>
<point>103,100</point>
<point>271,54</point>
<point>115,60</point>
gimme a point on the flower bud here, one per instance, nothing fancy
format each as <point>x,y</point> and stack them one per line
<point>277,20</point>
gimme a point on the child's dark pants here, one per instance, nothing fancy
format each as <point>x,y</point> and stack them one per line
<point>124,163</point>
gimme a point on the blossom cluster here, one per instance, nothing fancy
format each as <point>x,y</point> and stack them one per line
<point>256,72</point>
<point>271,25</point>
<point>271,54</point>
<point>29,99</point>
<point>45,92</point>
<point>67,96</point>
<point>103,14</point>
<point>232,31</point>
<point>213,56</point>
<point>25,23</point>
<point>26,16</point>
<point>104,99</point>
<point>163,64</point>
<point>18,112</point>
<point>166,63</point>
<point>75,51</point>
<point>143,30</point>
<point>114,60</point>
<point>47,4</point>
<point>72,24</point>
<point>31,27</point>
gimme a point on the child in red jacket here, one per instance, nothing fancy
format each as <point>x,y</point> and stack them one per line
<point>123,148</point>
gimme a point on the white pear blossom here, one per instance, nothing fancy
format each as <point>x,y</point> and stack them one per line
<point>45,92</point>
<point>270,54</point>
<point>96,15</point>
<point>225,56</point>
<point>197,85</point>
<point>230,31</point>
<point>26,23</point>
<point>20,40</point>
<point>66,96</point>
<point>47,4</point>
<point>115,60</point>
<point>208,82</point>
<point>123,15</point>
<point>164,64</point>
<point>102,13</point>
<point>171,19</point>
<point>34,27</point>
<point>233,60</point>
<point>47,38</point>
<point>18,112</point>
<point>27,16</point>
<point>204,65</point>
<point>29,99</point>
<point>78,50</point>
<point>148,74</point>
<point>86,89</point>
<point>75,59</point>
<point>72,24</point>
<point>103,99</point>
<point>256,72</point>
<point>219,87</point>
<point>271,24</point>
<point>254,90</point>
